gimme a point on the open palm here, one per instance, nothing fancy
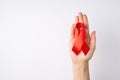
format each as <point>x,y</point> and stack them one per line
<point>90,40</point>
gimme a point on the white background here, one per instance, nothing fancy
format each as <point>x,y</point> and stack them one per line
<point>34,37</point>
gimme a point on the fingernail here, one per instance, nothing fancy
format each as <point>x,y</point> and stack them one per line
<point>80,13</point>
<point>84,14</point>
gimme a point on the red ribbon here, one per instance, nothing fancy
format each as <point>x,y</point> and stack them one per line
<point>80,43</point>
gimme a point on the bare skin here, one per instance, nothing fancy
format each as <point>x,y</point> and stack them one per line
<point>80,61</point>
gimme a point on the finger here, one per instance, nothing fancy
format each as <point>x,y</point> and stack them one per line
<point>80,17</point>
<point>73,32</point>
<point>86,24</point>
<point>93,42</point>
<point>76,33</point>
<point>72,35</point>
<point>76,19</point>
<point>85,20</point>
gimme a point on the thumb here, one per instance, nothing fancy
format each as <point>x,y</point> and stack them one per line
<point>93,42</point>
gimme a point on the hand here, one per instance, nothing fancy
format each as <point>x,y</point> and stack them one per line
<point>90,40</point>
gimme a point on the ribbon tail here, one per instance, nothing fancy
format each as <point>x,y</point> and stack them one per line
<point>85,48</point>
<point>78,44</point>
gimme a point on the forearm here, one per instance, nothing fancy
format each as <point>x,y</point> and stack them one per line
<point>81,71</point>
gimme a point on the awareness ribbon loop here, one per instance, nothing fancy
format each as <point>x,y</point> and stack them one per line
<point>80,43</point>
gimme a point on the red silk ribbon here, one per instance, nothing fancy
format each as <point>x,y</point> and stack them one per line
<point>80,43</point>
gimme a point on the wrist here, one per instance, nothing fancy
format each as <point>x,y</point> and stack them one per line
<point>81,70</point>
<point>81,66</point>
